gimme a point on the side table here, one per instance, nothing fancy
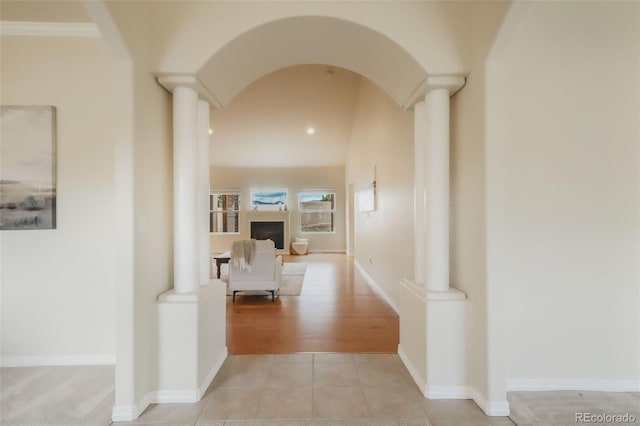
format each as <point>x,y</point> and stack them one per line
<point>220,259</point>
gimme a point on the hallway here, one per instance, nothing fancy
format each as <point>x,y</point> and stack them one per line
<point>286,390</point>
<point>265,382</point>
<point>337,311</point>
<point>269,390</point>
<point>317,389</point>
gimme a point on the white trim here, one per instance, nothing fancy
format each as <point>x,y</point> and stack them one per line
<point>38,361</point>
<point>126,413</point>
<point>448,392</point>
<point>412,370</point>
<point>490,408</point>
<point>452,82</point>
<point>142,405</point>
<point>375,287</point>
<point>450,294</point>
<point>578,385</point>
<point>175,396</point>
<point>49,29</point>
<point>225,191</point>
<point>170,296</point>
<point>414,288</point>
<point>212,374</point>
<point>122,413</point>
<point>171,81</point>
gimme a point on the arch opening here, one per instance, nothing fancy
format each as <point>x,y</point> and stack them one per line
<point>305,40</point>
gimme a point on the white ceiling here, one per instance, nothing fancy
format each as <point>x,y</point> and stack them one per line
<point>265,125</point>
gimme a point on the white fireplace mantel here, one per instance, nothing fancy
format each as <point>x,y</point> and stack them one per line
<point>271,216</point>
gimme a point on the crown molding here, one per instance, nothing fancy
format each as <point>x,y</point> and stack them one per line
<point>48,29</point>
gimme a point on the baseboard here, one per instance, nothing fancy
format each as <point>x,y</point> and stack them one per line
<point>490,408</point>
<point>212,374</point>
<point>50,361</point>
<point>375,287</point>
<point>578,385</point>
<point>128,413</point>
<point>122,413</point>
<point>412,370</point>
<point>175,397</point>
<point>448,392</point>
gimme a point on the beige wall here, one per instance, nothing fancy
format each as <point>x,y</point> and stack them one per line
<point>58,286</point>
<point>563,195</point>
<point>153,220</point>
<point>382,137</point>
<point>295,179</point>
<point>468,231</point>
<point>145,151</point>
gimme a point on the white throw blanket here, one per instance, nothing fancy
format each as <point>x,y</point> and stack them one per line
<point>242,253</point>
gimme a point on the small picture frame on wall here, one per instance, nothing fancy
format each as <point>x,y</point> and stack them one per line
<point>367,194</point>
<point>27,167</point>
<point>367,198</point>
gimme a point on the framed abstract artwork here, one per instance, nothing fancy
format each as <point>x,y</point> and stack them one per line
<point>274,199</point>
<point>27,167</point>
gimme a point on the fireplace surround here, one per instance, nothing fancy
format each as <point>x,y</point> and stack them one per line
<point>272,225</point>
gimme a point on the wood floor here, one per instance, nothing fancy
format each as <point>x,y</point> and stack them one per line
<point>336,312</point>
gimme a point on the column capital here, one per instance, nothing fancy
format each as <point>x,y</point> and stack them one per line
<point>171,81</point>
<point>450,82</point>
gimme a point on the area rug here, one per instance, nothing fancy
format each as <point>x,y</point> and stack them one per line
<point>292,280</point>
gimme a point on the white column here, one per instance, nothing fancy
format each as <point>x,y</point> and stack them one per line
<point>437,190</point>
<point>203,191</point>
<point>185,187</point>
<point>419,173</point>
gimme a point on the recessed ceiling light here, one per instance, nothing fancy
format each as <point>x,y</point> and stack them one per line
<point>310,130</point>
<point>210,131</point>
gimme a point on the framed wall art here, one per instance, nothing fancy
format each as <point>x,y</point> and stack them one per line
<point>272,199</point>
<point>27,167</point>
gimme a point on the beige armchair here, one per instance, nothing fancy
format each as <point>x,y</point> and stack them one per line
<point>254,266</point>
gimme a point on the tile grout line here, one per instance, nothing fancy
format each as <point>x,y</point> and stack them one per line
<point>313,384</point>
<point>364,396</point>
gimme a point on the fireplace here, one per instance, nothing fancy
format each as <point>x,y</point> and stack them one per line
<point>269,224</point>
<point>269,231</point>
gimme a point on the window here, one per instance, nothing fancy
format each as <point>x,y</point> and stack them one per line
<point>224,209</point>
<point>317,211</point>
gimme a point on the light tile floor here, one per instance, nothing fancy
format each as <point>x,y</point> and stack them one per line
<point>318,389</point>
<point>560,408</point>
<point>288,390</point>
